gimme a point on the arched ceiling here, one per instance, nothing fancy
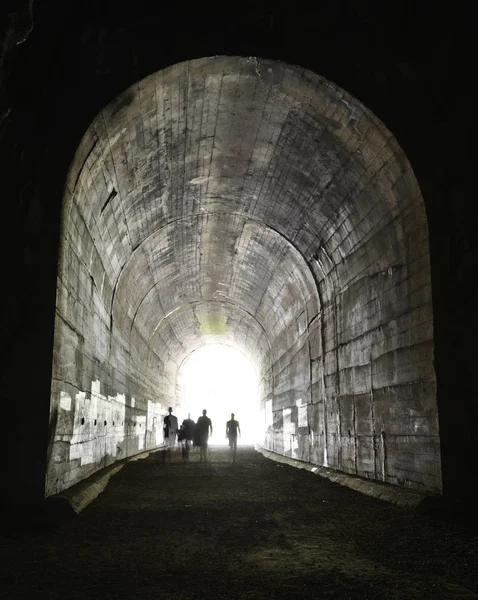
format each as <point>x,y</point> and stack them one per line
<point>209,188</point>
<point>225,274</point>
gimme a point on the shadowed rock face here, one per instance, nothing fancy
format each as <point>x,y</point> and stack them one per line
<point>253,203</point>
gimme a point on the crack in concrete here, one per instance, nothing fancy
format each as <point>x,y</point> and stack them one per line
<point>27,33</point>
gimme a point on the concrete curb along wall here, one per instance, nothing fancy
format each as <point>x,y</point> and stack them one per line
<point>383,491</point>
<point>80,495</point>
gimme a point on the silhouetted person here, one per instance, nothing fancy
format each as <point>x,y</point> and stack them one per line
<point>182,440</point>
<point>202,431</point>
<point>187,432</point>
<point>232,431</point>
<point>170,432</point>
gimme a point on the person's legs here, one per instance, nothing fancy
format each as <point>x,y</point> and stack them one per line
<point>170,445</point>
<point>234,449</point>
<point>205,451</point>
<point>186,449</point>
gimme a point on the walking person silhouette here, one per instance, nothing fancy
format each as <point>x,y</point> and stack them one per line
<point>202,430</point>
<point>187,435</point>
<point>170,432</point>
<point>232,431</point>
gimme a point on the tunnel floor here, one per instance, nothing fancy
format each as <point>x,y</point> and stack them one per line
<point>254,529</point>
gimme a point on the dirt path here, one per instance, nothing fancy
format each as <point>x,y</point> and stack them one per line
<point>256,529</point>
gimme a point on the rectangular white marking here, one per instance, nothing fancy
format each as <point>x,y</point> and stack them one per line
<point>65,401</point>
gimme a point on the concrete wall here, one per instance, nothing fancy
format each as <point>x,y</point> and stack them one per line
<point>106,403</point>
<point>354,389</point>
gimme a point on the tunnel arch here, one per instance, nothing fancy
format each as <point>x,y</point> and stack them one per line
<point>181,287</point>
<point>294,185</point>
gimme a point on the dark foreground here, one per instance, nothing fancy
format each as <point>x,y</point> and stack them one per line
<point>256,529</point>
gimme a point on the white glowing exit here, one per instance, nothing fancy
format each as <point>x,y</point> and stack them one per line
<point>221,380</point>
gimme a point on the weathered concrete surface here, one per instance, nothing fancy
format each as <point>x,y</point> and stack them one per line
<point>250,202</point>
<point>79,496</point>
<point>383,491</point>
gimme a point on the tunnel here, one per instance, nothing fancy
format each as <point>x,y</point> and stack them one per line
<point>296,183</point>
<point>252,203</point>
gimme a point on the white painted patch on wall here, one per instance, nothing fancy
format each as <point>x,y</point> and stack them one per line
<point>140,430</point>
<point>286,412</point>
<point>154,422</point>
<point>268,414</point>
<point>97,425</point>
<point>302,413</point>
<point>288,432</point>
<point>65,401</point>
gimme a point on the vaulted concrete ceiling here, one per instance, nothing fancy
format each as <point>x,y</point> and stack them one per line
<point>220,192</point>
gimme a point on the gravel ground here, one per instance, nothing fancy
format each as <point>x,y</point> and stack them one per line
<point>254,529</point>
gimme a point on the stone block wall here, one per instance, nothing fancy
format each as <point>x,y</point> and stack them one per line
<point>355,389</point>
<point>107,400</point>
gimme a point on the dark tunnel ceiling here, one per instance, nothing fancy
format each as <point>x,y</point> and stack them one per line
<point>211,187</point>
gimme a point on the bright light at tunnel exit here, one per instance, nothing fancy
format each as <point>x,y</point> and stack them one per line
<point>221,380</point>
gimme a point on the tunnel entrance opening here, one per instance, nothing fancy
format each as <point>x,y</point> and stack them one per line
<point>222,380</point>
